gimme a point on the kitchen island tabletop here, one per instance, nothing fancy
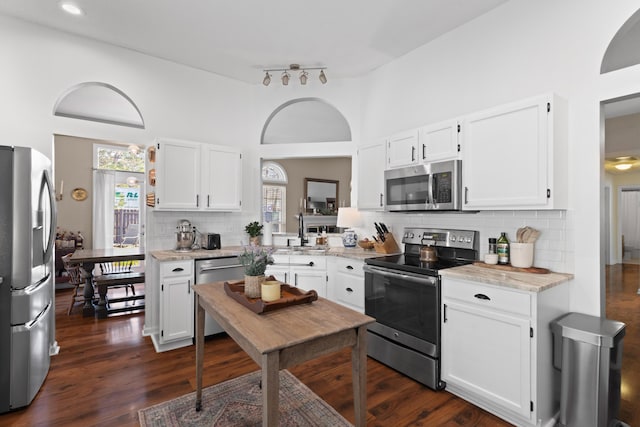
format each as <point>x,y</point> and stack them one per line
<point>283,338</point>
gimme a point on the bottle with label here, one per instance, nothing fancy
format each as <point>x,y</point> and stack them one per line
<point>502,247</point>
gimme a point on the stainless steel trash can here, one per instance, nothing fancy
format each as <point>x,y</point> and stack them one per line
<point>588,351</point>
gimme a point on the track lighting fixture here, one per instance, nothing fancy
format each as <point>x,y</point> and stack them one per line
<point>286,76</point>
<point>322,77</point>
<point>267,79</point>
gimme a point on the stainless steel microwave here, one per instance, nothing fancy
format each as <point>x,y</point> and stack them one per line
<point>425,187</point>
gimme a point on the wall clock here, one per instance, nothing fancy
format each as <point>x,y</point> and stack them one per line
<point>79,194</point>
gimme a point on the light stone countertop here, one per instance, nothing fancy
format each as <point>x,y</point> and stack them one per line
<point>353,253</point>
<point>510,279</point>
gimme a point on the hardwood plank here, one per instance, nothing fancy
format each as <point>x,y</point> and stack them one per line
<point>106,371</point>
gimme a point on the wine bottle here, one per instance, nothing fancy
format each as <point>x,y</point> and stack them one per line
<point>503,249</point>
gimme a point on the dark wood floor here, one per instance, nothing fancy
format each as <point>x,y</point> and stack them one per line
<point>106,371</point>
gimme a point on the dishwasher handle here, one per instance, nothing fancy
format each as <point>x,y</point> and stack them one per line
<point>220,267</point>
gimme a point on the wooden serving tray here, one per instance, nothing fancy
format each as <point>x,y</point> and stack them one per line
<point>534,270</point>
<point>290,295</point>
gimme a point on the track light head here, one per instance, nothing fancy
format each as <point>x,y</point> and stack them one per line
<point>285,78</point>
<point>267,79</point>
<point>303,77</point>
<point>322,77</point>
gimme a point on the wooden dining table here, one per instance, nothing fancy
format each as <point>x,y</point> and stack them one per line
<point>87,259</point>
<point>285,337</point>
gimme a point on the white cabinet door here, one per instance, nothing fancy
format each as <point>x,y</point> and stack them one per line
<point>222,178</point>
<point>177,175</point>
<point>440,141</point>
<point>346,284</point>
<point>371,159</point>
<point>515,156</point>
<point>402,149</point>
<point>303,271</point>
<point>176,316</point>
<point>488,353</point>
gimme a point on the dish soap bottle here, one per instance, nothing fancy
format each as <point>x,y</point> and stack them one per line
<point>503,249</point>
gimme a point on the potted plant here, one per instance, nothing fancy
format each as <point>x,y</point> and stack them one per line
<point>254,229</point>
<point>254,259</point>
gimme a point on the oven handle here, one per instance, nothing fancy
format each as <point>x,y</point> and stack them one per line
<point>416,278</point>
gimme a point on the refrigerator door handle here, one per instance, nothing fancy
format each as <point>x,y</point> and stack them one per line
<point>52,226</point>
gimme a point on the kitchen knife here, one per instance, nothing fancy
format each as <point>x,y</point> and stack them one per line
<point>384,227</point>
<point>379,230</point>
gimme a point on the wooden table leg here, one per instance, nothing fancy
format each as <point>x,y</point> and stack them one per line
<point>199,351</point>
<point>270,389</point>
<point>88,309</point>
<point>359,374</point>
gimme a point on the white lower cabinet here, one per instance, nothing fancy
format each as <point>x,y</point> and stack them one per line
<point>307,272</point>
<point>346,282</point>
<point>496,348</point>
<point>169,304</point>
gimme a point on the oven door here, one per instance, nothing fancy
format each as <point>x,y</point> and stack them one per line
<point>406,307</point>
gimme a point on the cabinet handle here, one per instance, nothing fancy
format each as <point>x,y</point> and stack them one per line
<point>444,314</point>
<point>189,285</point>
<point>466,195</point>
<point>285,277</point>
<point>424,151</point>
<point>381,200</point>
<point>349,290</point>
<point>482,296</point>
<point>177,269</point>
<point>348,267</point>
<point>208,200</point>
<point>197,200</point>
<point>413,154</point>
<point>295,280</point>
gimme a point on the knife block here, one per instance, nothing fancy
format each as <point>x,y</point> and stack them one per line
<point>389,246</point>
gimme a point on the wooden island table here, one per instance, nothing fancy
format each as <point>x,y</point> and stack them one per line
<point>286,337</point>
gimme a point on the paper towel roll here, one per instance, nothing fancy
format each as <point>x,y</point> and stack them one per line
<point>267,234</point>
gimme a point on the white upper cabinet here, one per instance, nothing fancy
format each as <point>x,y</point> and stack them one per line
<point>197,176</point>
<point>515,156</point>
<point>222,178</point>
<point>371,159</point>
<point>177,175</point>
<point>439,141</point>
<point>402,149</point>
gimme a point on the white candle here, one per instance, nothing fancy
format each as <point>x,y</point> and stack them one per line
<point>61,187</point>
<point>270,290</point>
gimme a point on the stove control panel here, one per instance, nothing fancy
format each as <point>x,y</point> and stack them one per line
<point>466,239</point>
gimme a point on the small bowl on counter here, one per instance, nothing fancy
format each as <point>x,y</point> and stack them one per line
<point>365,244</point>
<point>491,259</point>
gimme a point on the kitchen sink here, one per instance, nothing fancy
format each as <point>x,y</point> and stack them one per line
<point>311,250</point>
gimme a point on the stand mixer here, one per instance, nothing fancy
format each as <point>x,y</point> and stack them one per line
<point>185,236</point>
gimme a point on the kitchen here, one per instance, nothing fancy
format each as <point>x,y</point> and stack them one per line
<point>490,74</point>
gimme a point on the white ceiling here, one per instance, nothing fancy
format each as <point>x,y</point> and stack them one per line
<point>240,38</point>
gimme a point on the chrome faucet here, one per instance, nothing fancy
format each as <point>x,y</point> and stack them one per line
<point>301,230</point>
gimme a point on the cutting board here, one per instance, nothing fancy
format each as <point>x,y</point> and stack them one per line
<point>534,270</point>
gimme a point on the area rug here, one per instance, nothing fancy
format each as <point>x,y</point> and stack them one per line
<point>238,402</point>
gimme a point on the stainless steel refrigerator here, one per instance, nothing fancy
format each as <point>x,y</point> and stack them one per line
<point>27,291</point>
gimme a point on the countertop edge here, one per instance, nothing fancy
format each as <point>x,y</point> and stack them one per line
<point>231,251</point>
<point>529,282</point>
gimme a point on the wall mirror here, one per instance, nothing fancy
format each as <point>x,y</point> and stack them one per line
<point>321,196</point>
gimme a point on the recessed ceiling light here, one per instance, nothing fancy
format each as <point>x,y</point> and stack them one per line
<point>71,8</point>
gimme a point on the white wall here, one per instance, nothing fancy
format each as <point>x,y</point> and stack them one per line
<point>520,49</point>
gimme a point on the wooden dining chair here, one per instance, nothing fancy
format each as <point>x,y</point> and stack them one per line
<point>77,278</point>
<point>118,269</point>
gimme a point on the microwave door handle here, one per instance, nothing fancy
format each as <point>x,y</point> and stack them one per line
<point>430,192</point>
<point>434,189</point>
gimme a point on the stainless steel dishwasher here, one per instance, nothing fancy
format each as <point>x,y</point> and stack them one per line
<point>215,270</point>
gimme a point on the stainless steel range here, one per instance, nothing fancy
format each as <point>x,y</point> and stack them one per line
<point>402,292</point>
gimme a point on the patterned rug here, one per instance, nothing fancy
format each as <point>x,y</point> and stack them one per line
<point>238,402</point>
